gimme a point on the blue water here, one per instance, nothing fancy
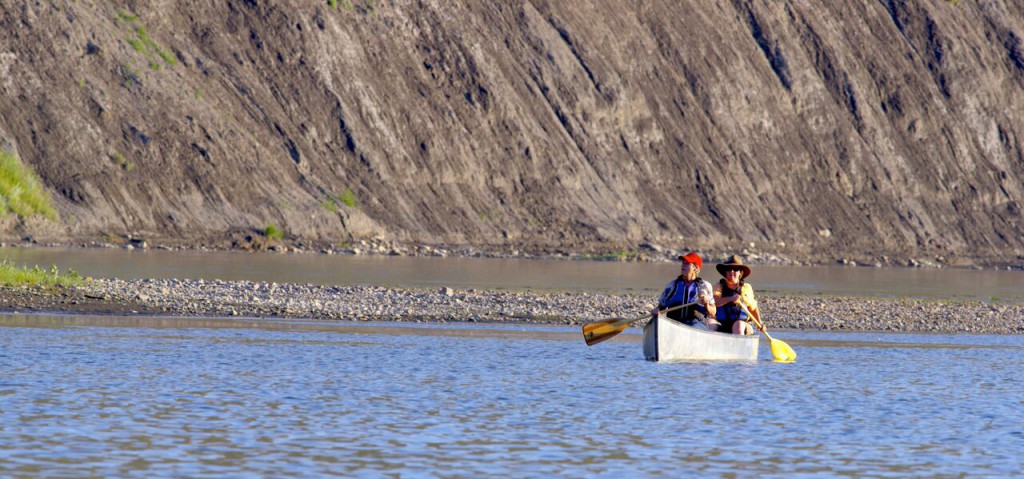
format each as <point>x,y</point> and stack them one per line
<point>152,397</point>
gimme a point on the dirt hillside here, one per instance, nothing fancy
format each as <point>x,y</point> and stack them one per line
<point>875,130</point>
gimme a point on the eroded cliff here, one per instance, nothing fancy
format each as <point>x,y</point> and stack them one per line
<point>814,129</point>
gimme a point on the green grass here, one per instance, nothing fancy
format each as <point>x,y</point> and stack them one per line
<point>137,45</point>
<point>273,232</point>
<point>611,256</point>
<point>153,47</point>
<point>21,192</point>
<point>348,197</point>
<point>365,6</point>
<point>122,161</point>
<point>142,42</point>
<point>125,15</point>
<point>11,275</point>
<point>167,57</point>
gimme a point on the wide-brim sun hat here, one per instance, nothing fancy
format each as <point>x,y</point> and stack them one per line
<point>734,262</point>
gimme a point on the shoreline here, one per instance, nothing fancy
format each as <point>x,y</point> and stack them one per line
<point>752,253</point>
<point>217,298</point>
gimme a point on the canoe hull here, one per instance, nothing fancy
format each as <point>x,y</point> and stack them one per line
<point>668,340</point>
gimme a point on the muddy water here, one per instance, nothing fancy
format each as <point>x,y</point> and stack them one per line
<point>168,397</point>
<point>514,273</point>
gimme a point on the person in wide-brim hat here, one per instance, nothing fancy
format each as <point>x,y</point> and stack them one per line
<point>734,298</point>
<point>733,263</point>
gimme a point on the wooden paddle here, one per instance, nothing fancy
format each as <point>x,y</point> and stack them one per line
<point>594,333</point>
<point>781,350</point>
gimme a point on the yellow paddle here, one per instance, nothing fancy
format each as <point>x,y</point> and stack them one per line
<point>594,333</point>
<point>781,350</point>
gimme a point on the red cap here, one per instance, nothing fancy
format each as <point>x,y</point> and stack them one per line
<point>692,258</point>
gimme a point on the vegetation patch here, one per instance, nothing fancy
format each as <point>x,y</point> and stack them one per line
<point>21,192</point>
<point>11,275</point>
<point>126,16</point>
<point>347,198</point>
<point>612,256</point>
<point>122,161</point>
<point>141,42</point>
<point>361,6</point>
<point>273,232</point>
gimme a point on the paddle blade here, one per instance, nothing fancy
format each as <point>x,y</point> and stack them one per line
<point>782,351</point>
<point>594,333</point>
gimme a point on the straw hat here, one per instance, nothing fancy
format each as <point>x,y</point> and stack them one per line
<point>734,262</point>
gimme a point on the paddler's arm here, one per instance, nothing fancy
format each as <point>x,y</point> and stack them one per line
<point>707,297</point>
<point>746,297</point>
<point>722,300</point>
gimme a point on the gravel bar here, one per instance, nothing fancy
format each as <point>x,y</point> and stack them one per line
<point>215,298</point>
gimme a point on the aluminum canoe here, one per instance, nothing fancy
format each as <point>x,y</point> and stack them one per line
<point>669,340</point>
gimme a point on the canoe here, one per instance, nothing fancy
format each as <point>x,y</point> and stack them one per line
<point>669,340</point>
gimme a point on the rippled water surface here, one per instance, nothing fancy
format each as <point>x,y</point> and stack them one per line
<point>151,397</point>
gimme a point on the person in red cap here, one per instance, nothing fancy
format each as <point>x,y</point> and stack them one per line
<point>688,288</point>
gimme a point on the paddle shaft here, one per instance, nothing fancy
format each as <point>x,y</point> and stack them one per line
<point>673,308</point>
<point>780,349</point>
<point>760,324</point>
<point>757,320</point>
<point>599,331</point>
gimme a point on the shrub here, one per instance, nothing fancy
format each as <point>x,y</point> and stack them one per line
<point>348,197</point>
<point>273,232</point>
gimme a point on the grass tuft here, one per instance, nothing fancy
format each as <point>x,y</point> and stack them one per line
<point>122,161</point>
<point>126,16</point>
<point>273,232</point>
<point>143,43</point>
<point>11,275</point>
<point>348,197</point>
<point>21,192</point>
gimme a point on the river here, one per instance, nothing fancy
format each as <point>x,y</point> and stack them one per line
<point>171,397</point>
<point>534,274</point>
<point>140,396</point>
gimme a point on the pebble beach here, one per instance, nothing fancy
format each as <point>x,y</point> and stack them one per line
<point>202,298</point>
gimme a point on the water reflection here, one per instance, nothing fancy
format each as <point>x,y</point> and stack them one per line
<point>647,278</point>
